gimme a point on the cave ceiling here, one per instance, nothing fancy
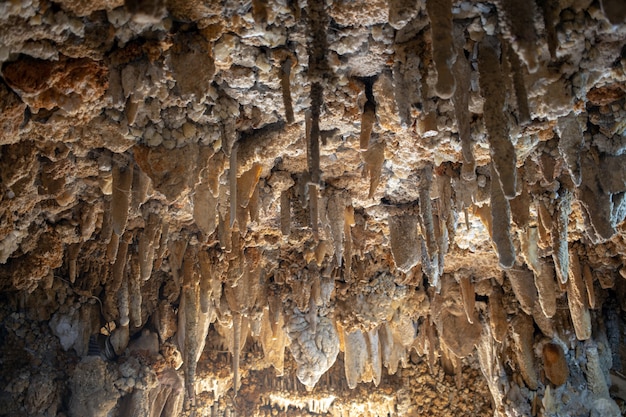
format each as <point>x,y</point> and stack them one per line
<point>292,207</point>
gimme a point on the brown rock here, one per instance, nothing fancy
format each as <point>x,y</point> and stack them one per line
<point>68,83</point>
<point>11,115</point>
<point>555,364</point>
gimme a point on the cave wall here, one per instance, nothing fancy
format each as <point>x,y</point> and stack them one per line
<point>330,207</point>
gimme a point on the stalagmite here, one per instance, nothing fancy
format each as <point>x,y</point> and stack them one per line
<point>444,54</point>
<point>404,240</point>
<point>120,201</point>
<point>570,145</point>
<point>285,213</point>
<point>577,298</point>
<point>522,334</point>
<point>501,223</point>
<point>491,81</point>
<point>559,235</point>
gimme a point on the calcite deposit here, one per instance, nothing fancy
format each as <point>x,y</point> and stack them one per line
<point>306,207</point>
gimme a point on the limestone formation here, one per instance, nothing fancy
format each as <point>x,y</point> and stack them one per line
<point>342,208</point>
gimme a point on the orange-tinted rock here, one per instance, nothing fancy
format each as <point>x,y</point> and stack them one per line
<point>11,115</point>
<point>69,84</point>
<point>555,364</point>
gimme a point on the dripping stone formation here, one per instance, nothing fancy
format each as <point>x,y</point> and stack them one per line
<point>307,207</point>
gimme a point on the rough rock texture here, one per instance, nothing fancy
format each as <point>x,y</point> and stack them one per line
<point>346,208</point>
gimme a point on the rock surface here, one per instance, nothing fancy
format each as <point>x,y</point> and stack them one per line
<point>345,208</point>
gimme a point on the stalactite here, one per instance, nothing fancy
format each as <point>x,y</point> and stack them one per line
<point>205,204</point>
<point>232,182</point>
<point>206,281</point>
<point>375,356</point>
<point>577,298</point>
<point>521,96</point>
<point>374,159</point>
<point>140,187</point>
<point>549,11</point>
<point>113,248</point>
<point>468,294</point>
<point>522,334</point>
<point>134,291</point>
<point>72,254</point>
<point>444,54</point>
<point>120,198</point>
<point>570,145</point>
<point>313,209</point>
<point>591,295</point>
<point>501,223</point>
<point>246,186</point>
<point>491,81</point>
<point>285,213</point>
<point>368,117</point>
<point>559,235</point>
<point>285,83</point>
<point>177,252</point>
<point>528,242</point>
<point>426,213</point>
<point>131,108</point>
<point>546,288</point>
<point>522,283</point>
<point>462,74</point>
<point>347,232</point>
<point>517,20</point>
<point>336,218</point>
<point>355,357</point>
<point>497,314</point>
<point>555,364</point>
<point>404,241</point>
<point>317,92</point>
<point>117,275</point>
<point>146,247</point>
<point>236,350</point>
<point>163,241</point>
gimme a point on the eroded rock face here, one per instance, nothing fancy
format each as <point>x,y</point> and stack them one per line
<point>219,207</point>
